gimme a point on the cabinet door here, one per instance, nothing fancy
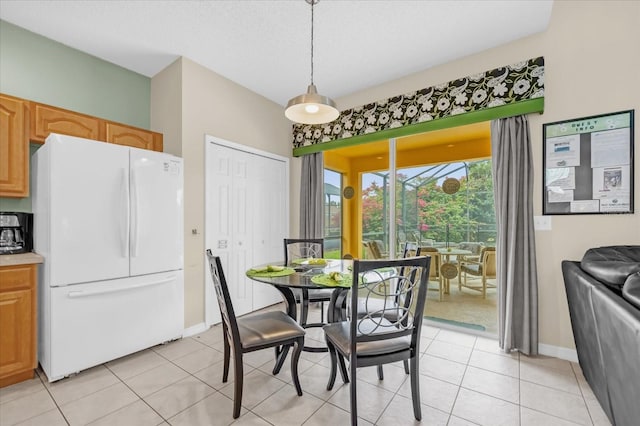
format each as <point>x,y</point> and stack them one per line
<point>130,136</point>
<point>14,147</point>
<point>17,316</point>
<point>46,119</point>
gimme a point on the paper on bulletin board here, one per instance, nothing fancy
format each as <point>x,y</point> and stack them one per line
<point>611,185</point>
<point>563,151</point>
<point>610,148</point>
<point>585,206</point>
<point>559,195</point>
<point>561,178</point>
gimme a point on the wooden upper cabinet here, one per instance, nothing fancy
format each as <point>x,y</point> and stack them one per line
<point>46,119</point>
<point>14,147</point>
<point>130,136</point>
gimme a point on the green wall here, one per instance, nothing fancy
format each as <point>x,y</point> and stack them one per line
<point>39,69</point>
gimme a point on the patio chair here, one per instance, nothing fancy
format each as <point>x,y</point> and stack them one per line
<point>474,247</point>
<point>483,268</point>
<point>371,250</point>
<point>251,333</point>
<point>434,272</point>
<point>295,251</point>
<point>377,249</point>
<point>374,340</point>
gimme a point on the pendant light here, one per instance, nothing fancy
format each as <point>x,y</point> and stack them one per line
<point>311,108</point>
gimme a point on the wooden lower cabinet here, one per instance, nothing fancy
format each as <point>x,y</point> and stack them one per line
<point>18,307</point>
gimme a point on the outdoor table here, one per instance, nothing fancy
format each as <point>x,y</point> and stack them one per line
<point>447,253</point>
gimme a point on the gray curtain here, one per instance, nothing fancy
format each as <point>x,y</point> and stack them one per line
<point>312,196</point>
<point>515,245</point>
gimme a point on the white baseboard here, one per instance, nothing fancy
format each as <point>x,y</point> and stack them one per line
<point>558,352</point>
<point>195,329</point>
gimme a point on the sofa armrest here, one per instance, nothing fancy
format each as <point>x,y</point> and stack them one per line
<point>579,287</point>
<point>631,290</point>
<point>618,324</point>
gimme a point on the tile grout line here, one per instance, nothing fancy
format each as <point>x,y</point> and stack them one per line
<point>140,398</point>
<point>52,398</point>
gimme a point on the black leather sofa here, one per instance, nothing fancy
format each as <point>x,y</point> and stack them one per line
<point>603,291</point>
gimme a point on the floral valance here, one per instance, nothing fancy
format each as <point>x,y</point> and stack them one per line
<point>507,85</point>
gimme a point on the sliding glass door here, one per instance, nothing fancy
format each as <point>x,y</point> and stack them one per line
<point>332,214</point>
<point>434,190</point>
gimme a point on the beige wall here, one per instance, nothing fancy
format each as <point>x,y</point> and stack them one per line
<point>592,66</point>
<point>166,106</point>
<point>213,105</point>
<point>592,61</point>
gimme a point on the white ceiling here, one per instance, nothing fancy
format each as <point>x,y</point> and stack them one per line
<point>264,45</point>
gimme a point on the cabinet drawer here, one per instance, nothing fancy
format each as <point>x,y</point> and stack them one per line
<point>46,119</point>
<point>130,136</point>
<point>17,277</point>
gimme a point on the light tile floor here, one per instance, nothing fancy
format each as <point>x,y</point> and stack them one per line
<point>464,380</point>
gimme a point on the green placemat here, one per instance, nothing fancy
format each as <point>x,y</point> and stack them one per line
<point>326,280</point>
<point>270,274</point>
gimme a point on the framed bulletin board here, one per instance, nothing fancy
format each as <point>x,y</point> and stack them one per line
<point>588,165</point>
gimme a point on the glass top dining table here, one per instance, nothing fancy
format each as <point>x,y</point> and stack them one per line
<point>301,279</point>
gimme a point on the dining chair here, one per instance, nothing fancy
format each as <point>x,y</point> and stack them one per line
<point>251,333</point>
<point>483,268</point>
<point>385,307</point>
<point>374,340</point>
<point>371,306</point>
<point>295,251</point>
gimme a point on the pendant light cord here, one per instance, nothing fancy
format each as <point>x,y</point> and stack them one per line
<point>312,3</point>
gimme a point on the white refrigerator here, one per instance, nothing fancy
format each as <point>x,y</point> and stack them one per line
<point>108,220</point>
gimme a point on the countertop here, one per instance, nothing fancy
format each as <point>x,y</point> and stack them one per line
<point>20,259</point>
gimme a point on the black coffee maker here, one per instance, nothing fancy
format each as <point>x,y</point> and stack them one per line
<point>16,232</point>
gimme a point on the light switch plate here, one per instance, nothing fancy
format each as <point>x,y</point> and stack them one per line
<point>542,223</point>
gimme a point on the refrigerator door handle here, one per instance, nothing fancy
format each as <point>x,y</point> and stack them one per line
<point>127,220</point>
<point>88,293</point>
<point>134,212</point>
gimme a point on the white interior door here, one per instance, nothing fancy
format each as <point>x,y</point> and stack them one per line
<point>245,222</point>
<point>269,226</point>
<point>227,226</point>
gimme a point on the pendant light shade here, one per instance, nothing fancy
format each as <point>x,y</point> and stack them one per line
<point>311,108</point>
